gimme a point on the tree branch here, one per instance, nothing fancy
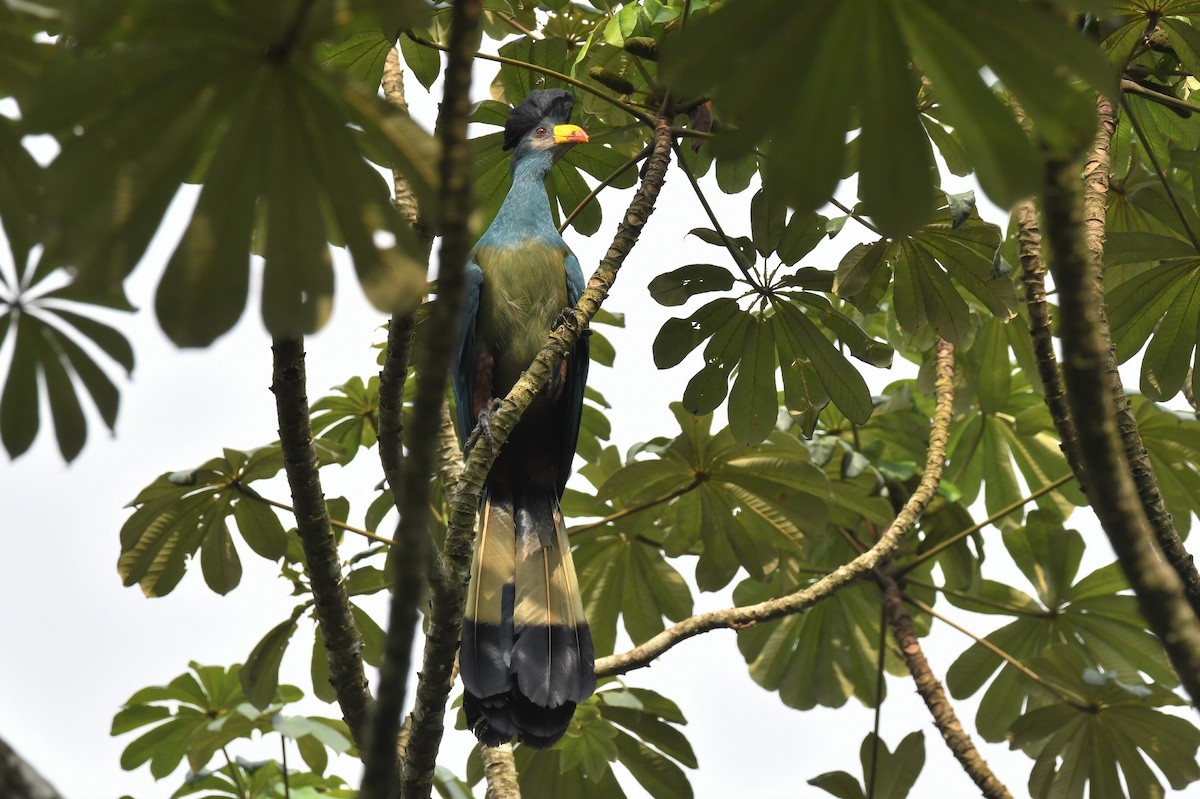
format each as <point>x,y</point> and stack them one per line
<point>501,772</point>
<point>602,185</point>
<point>1131,87</point>
<point>930,689</point>
<point>250,493</point>
<point>433,357</point>
<point>840,577</point>
<point>19,780</point>
<point>343,645</point>
<point>1095,198</point>
<point>1033,278</point>
<point>445,619</point>
<point>1112,493</point>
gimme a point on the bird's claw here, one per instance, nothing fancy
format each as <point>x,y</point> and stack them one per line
<point>483,429</point>
<point>566,316</point>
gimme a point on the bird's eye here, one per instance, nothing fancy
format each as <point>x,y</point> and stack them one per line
<point>540,131</point>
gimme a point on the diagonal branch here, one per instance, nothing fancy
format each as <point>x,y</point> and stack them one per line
<point>839,578</point>
<point>1095,193</point>
<point>449,594</point>
<point>736,254</point>
<point>343,645</point>
<point>434,354</point>
<point>602,185</point>
<point>930,689</point>
<point>1111,489</point>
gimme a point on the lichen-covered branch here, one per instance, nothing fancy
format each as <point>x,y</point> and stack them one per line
<point>840,577</point>
<point>1033,277</point>
<point>433,355</point>
<point>930,689</point>
<point>1111,490</point>
<point>448,595</point>
<point>343,645</point>
<point>1095,201</point>
<point>19,780</point>
<point>501,772</point>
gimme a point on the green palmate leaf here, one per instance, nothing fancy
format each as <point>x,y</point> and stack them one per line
<point>361,54</point>
<point>679,285</point>
<point>798,339</point>
<point>1100,624</point>
<point>753,403</point>
<point>347,418</point>
<point>791,656</point>
<point>267,132</point>
<point>897,192</point>
<point>892,777</point>
<point>707,389</point>
<point>425,62</point>
<point>21,190</point>
<point>739,505</point>
<point>622,575</point>
<point>1173,443</point>
<point>877,45</point>
<point>767,222</point>
<point>1104,735</point>
<point>260,675</point>
<point>627,726</point>
<point>207,710</point>
<point>803,233</point>
<point>182,512</point>
<point>47,352</point>
<point>982,453</point>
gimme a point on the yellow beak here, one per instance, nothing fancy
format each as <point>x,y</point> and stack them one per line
<point>569,134</point>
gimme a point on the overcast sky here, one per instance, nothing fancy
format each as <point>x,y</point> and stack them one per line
<point>76,644</point>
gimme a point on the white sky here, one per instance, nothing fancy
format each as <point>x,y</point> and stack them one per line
<point>75,644</point>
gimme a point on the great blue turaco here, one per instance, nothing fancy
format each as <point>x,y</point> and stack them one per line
<point>526,658</point>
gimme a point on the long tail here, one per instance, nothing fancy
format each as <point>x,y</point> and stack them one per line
<point>527,657</point>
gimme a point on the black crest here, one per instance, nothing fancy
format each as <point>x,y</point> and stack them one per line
<point>547,105</point>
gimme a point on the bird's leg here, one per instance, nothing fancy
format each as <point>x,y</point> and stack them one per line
<point>483,428</point>
<point>559,379</point>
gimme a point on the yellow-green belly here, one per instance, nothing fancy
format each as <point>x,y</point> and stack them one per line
<point>524,291</point>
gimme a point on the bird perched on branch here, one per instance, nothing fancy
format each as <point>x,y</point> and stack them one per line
<point>526,658</point>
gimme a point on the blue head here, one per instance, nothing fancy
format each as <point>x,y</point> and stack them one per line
<point>539,132</point>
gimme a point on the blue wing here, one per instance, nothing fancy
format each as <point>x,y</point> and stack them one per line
<point>577,371</point>
<point>462,375</point>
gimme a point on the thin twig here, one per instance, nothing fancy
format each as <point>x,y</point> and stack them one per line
<point>712,217</point>
<point>739,617</point>
<point>640,115</point>
<point>882,657</point>
<point>602,185</point>
<point>859,218</point>
<point>931,690</point>
<point>349,528</point>
<point>974,528</point>
<point>650,503</point>
<point>1131,87</point>
<point>1068,698</point>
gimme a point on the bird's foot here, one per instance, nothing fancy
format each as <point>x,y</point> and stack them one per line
<point>567,315</point>
<point>483,429</point>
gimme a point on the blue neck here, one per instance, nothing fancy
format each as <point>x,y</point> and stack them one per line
<point>525,212</point>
